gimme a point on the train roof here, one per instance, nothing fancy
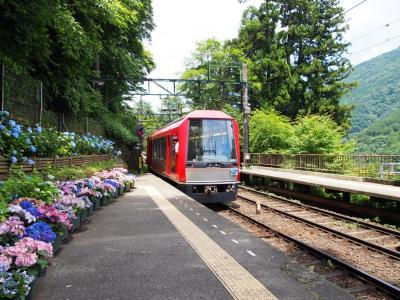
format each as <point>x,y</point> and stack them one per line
<point>196,114</point>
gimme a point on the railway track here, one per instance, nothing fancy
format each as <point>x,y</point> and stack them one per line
<point>379,238</point>
<point>367,277</point>
<point>368,281</point>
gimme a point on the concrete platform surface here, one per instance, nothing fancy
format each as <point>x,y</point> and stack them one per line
<point>367,188</point>
<point>157,243</point>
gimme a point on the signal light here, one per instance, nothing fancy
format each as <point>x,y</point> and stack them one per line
<point>140,130</point>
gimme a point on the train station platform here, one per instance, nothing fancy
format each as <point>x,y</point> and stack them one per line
<point>157,243</point>
<point>322,180</point>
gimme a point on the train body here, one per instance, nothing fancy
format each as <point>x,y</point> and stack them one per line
<point>200,153</point>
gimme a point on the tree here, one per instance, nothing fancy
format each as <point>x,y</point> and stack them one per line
<point>270,132</point>
<point>296,49</point>
<point>319,135</point>
<point>171,108</point>
<point>213,61</point>
<point>57,42</point>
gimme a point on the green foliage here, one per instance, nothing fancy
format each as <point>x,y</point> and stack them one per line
<point>296,50</point>
<point>117,129</point>
<point>382,136</point>
<point>318,135</point>
<point>216,61</point>
<point>295,55</point>
<point>33,186</point>
<point>171,109</point>
<point>72,173</point>
<point>271,132</point>
<point>58,42</point>
<point>378,92</point>
<point>47,143</point>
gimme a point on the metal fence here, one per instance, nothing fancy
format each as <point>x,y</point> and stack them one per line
<point>25,99</point>
<point>366,166</point>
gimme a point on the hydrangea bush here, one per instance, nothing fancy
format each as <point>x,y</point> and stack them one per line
<point>30,222</point>
<point>22,144</point>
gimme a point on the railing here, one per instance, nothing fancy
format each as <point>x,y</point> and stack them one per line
<point>366,166</point>
<point>42,163</point>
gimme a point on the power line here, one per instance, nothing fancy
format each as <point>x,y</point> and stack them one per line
<point>353,7</point>
<point>378,44</point>
<point>375,30</point>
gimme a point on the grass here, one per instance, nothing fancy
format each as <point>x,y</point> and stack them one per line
<point>346,225</point>
<point>78,172</point>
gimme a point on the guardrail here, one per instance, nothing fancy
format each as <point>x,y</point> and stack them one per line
<point>42,163</point>
<point>366,166</point>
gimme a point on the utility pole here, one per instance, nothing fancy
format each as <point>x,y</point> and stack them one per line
<point>40,100</point>
<point>246,115</point>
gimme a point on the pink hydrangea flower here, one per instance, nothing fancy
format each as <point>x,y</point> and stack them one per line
<point>13,226</point>
<point>86,192</point>
<point>26,259</point>
<point>55,215</point>
<point>25,252</point>
<point>43,246</point>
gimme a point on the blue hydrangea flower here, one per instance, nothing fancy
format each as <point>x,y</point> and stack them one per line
<point>2,127</point>
<point>15,134</point>
<point>40,231</point>
<point>30,162</point>
<point>29,130</point>
<point>12,123</point>
<point>39,129</point>
<point>17,129</point>
<point>13,159</point>
<point>90,184</point>
<point>14,152</point>
<point>33,149</point>
<point>32,209</point>
<point>112,182</point>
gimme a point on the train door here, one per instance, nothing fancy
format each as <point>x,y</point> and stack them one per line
<point>174,154</point>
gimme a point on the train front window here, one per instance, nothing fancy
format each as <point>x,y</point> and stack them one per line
<point>211,140</point>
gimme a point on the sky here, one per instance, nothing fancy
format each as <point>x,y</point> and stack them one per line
<point>180,24</point>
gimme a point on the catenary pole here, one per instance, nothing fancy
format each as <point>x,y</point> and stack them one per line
<point>246,115</point>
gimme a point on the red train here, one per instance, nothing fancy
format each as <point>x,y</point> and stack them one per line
<point>200,153</point>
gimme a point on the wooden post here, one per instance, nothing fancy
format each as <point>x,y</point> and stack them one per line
<point>258,207</point>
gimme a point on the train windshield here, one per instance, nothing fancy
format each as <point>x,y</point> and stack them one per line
<point>211,140</point>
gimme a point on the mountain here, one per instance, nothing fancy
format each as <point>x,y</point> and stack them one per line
<point>376,114</point>
<point>382,137</point>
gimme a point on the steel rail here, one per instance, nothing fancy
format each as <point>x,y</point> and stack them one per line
<point>392,253</point>
<point>381,284</point>
<point>327,212</point>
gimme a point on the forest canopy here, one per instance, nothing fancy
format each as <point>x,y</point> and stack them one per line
<point>70,45</point>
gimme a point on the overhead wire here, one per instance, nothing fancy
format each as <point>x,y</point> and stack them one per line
<point>353,7</point>
<point>378,44</point>
<point>375,30</point>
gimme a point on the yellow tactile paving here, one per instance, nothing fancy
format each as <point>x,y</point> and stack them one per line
<point>237,280</point>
